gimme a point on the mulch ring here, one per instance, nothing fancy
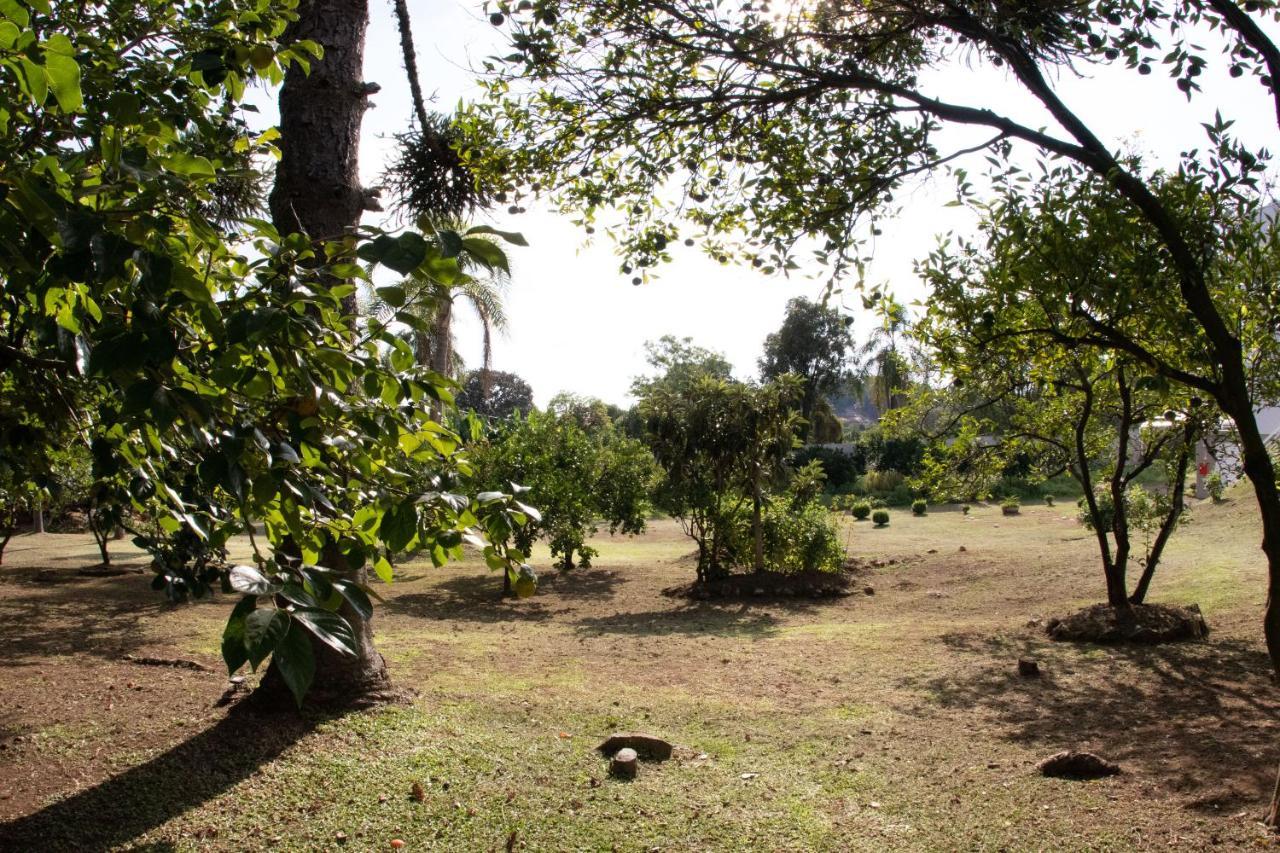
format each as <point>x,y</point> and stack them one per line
<point>1139,623</point>
<point>763,585</point>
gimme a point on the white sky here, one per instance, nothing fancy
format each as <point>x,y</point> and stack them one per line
<point>577,324</point>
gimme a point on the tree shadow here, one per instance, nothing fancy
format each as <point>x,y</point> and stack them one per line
<point>593,584</point>
<point>708,619</point>
<point>142,798</point>
<point>470,598</point>
<point>102,617</point>
<point>1199,718</point>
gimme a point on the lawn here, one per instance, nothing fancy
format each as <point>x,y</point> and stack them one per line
<point>892,719</point>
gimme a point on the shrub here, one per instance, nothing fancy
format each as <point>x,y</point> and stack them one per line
<point>1048,500</point>
<point>1217,488</point>
<point>900,495</point>
<point>861,510</point>
<point>800,540</point>
<point>880,517</point>
<point>881,481</point>
<point>1010,506</point>
<point>919,507</point>
<point>964,508</point>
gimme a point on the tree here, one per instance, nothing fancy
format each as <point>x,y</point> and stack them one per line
<point>722,445</point>
<point>236,392</point>
<point>574,476</point>
<point>883,367</point>
<point>813,343</point>
<point>679,364</point>
<point>781,126</point>
<point>495,394</point>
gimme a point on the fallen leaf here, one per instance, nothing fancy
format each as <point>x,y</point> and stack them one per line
<point>417,793</point>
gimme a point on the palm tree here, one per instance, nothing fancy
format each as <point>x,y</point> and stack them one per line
<point>479,277</point>
<point>882,367</point>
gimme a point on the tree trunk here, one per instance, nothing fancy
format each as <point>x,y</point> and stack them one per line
<point>317,192</point>
<point>101,537</point>
<point>1117,583</point>
<point>4,541</point>
<point>1170,522</point>
<point>757,525</point>
<point>37,518</point>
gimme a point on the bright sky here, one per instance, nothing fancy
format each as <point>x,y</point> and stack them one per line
<point>577,324</point>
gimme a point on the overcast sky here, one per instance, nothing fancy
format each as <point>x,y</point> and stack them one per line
<point>578,325</point>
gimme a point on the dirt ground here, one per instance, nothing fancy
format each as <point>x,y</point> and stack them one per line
<point>891,719</point>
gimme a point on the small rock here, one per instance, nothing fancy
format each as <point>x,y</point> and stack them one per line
<point>869,590</point>
<point>963,549</point>
<point>623,765</point>
<point>1028,668</point>
<point>932,551</point>
<point>873,805</point>
<point>746,777</point>
<point>647,746</point>
<point>340,837</point>
<point>1070,764</point>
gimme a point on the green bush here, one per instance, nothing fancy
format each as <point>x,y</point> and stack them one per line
<point>964,508</point>
<point>861,510</point>
<point>900,495</point>
<point>880,481</point>
<point>1048,499</point>
<point>800,540</point>
<point>880,517</point>
<point>1010,506</point>
<point>919,507</point>
<point>1217,488</point>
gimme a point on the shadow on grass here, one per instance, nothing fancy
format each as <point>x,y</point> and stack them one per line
<point>471,598</point>
<point>1198,717</point>
<point>705,619</point>
<point>142,798</point>
<point>101,617</point>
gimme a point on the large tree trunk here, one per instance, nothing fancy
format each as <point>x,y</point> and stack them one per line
<point>317,189</point>
<point>317,192</point>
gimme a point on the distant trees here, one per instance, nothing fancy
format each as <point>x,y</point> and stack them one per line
<point>814,343</point>
<point>495,394</point>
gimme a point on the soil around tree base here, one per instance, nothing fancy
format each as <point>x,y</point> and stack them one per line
<point>1145,624</point>
<point>766,585</point>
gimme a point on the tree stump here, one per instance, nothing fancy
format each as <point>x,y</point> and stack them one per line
<point>623,764</point>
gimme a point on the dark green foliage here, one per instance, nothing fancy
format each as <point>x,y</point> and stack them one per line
<point>841,469</point>
<point>880,517</point>
<point>919,507</point>
<point>813,343</point>
<point>495,394</point>
<point>861,510</point>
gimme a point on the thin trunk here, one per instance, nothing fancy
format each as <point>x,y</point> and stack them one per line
<point>1117,585</point>
<point>1086,483</point>
<point>4,541</point>
<point>37,518</point>
<point>507,591</point>
<point>317,192</point>
<point>442,347</point>
<point>757,525</point>
<point>1170,522</point>
<point>100,535</point>
<point>411,62</point>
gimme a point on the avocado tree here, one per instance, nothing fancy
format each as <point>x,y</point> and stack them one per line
<point>576,478</point>
<point>242,394</point>
<point>722,445</point>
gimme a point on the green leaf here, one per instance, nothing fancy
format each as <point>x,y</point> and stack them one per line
<point>63,73</point>
<point>513,237</point>
<point>295,661</point>
<point>403,254</point>
<point>15,12</point>
<point>355,596</point>
<point>234,652</point>
<point>382,568</point>
<point>399,526</point>
<point>189,165</point>
<point>263,631</point>
<point>328,627</point>
<point>393,295</point>
<point>247,580</point>
<point>450,243</point>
